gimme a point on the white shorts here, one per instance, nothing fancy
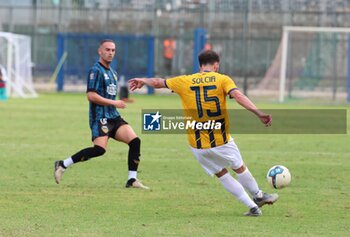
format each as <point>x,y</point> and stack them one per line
<point>213,160</point>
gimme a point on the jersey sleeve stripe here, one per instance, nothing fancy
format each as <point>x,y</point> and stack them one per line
<point>90,86</point>
<point>166,84</point>
<point>96,78</point>
<point>232,90</point>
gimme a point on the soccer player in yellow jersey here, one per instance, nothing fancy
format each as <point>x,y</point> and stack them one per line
<point>203,97</point>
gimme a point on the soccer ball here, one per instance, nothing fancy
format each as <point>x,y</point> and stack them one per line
<point>278,177</point>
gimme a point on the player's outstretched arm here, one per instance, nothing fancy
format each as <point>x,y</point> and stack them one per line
<point>137,83</point>
<point>97,99</point>
<point>249,105</point>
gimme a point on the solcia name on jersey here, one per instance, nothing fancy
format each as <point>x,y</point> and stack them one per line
<point>112,89</point>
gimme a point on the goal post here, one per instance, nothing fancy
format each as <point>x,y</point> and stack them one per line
<point>310,63</point>
<point>335,58</point>
<point>15,57</point>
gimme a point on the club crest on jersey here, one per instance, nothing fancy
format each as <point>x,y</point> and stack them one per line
<point>112,89</point>
<point>104,129</point>
<point>106,76</point>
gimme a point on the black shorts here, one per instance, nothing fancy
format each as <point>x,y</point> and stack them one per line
<point>106,127</point>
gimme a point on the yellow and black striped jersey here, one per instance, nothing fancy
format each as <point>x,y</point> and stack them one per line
<point>203,97</point>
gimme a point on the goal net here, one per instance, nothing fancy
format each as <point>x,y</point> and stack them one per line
<point>311,62</point>
<point>15,58</point>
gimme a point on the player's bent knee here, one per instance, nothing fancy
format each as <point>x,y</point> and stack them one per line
<point>93,152</point>
<point>136,142</point>
<point>98,151</point>
<point>221,173</point>
<point>240,169</point>
<point>134,145</point>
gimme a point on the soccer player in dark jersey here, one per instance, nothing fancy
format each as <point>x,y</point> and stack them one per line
<point>105,120</point>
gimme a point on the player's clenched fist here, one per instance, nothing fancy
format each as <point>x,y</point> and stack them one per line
<point>266,119</point>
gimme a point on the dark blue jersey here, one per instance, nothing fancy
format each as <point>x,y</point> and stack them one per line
<point>104,82</point>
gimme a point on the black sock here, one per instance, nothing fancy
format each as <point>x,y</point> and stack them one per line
<point>134,154</point>
<point>88,153</point>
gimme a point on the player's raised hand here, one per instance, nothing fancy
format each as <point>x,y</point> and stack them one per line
<point>266,119</point>
<point>119,104</point>
<point>136,83</point>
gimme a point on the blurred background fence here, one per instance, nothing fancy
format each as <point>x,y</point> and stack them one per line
<point>246,33</point>
<point>134,57</point>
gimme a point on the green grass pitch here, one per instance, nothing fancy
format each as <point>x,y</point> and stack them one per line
<point>183,201</point>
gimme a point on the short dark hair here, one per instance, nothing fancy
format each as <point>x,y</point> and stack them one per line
<point>208,57</point>
<point>106,40</point>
